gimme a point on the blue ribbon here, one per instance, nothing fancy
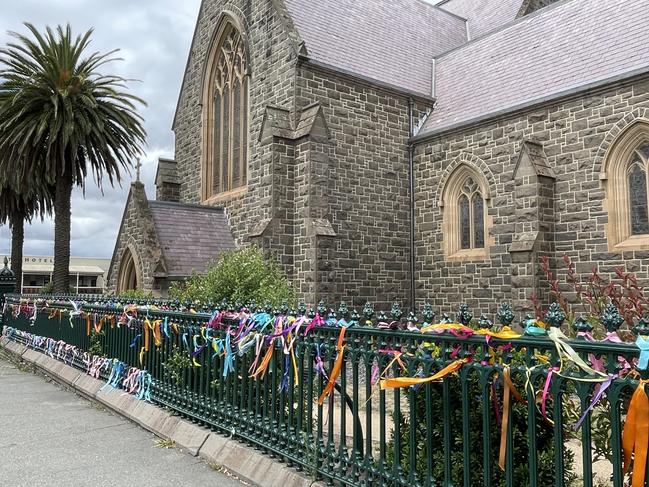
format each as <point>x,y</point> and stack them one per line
<point>643,345</point>
<point>134,342</point>
<point>287,365</point>
<point>165,326</point>
<point>228,365</point>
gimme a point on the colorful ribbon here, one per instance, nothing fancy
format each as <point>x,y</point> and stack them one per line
<point>335,371</point>
<point>509,390</point>
<point>635,437</point>
<point>398,382</point>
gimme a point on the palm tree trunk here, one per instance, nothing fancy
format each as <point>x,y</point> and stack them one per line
<point>17,224</point>
<point>61,275</point>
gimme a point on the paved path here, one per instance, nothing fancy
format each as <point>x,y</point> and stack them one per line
<point>52,437</point>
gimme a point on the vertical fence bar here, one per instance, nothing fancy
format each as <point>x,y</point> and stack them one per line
<point>290,425</point>
<point>466,427</point>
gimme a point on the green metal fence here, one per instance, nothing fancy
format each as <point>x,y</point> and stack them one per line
<point>447,432</point>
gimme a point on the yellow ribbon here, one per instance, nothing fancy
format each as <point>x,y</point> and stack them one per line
<point>566,351</point>
<point>145,346</point>
<point>411,381</point>
<point>635,437</point>
<point>295,371</point>
<point>506,333</point>
<point>446,326</point>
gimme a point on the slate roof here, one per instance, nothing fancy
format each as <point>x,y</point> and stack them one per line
<point>392,42</point>
<point>483,15</point>
<point>554,51</point>
<point>191,236</point>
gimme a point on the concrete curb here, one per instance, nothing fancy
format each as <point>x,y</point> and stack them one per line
<point>244,462</point>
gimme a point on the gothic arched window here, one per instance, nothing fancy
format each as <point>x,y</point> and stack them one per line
<point>225,134</point>
<point>626,175</point>
<point>637,181</point>
<point>464,216</point>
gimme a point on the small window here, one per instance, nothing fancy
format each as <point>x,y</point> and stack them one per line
<point>471,216</point>
<point>625,172</point>
<point>465,220</point>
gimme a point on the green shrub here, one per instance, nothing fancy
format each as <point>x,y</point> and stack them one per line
<point>544,440</point>
<point>96,347</point>
<point>48,288</point>
<point>240,275</point>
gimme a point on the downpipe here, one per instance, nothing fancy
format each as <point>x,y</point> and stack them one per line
<point>411,192</point>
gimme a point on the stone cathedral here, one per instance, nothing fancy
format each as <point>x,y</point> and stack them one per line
<point>397,150</point>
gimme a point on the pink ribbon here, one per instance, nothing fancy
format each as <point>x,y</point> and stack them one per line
<point>316,321</point>
<point>546,389</point>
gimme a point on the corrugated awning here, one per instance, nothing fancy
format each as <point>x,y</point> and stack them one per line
<point>91,270</point>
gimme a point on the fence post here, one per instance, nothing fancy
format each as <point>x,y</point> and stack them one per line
<point>7,285</point>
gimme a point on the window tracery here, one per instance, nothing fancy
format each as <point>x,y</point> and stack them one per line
<point>226,130</point>
<point>464,215</point>
<point>626,175</point>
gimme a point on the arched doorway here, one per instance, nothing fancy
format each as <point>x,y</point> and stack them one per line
<point>128,277</point>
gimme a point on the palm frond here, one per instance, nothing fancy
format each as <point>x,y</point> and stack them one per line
<point>59,114</point>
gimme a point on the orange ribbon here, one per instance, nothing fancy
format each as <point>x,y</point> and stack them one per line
<point>335,372</point>
<point>157,333</point>
<point>510,388</point>
<point>411,381</point>
<point>261,370</point>
<point>99,324</point>
<point>88,325</point>
<point>635,437</point>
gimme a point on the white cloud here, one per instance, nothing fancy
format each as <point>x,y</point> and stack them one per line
<point>154,39</point>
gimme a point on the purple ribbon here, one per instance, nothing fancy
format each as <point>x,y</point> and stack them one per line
<point>596,398</point>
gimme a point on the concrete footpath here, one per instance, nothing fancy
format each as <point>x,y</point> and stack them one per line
<point>52,437</point>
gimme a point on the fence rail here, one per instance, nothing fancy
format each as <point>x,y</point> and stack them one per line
<point>444,432</point>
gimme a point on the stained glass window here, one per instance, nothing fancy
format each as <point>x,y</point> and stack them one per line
<point>471,216</point>
<point>225,146</point>
<point>227,156</point>
<point>216,149</point>
<point>639,213</point>
<point>478,221</point>
<point>465,223</point>
<point>236,135</point>
<point>244,132</point>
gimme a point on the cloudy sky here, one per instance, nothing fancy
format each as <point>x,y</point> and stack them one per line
<point>154,38</point>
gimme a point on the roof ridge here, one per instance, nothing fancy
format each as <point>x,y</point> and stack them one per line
<point>438,9</point>
<point>536,13</point>
<point>218,208</point>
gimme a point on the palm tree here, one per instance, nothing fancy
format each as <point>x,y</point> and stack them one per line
<point>15,208</point>
<point>60,119</point>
